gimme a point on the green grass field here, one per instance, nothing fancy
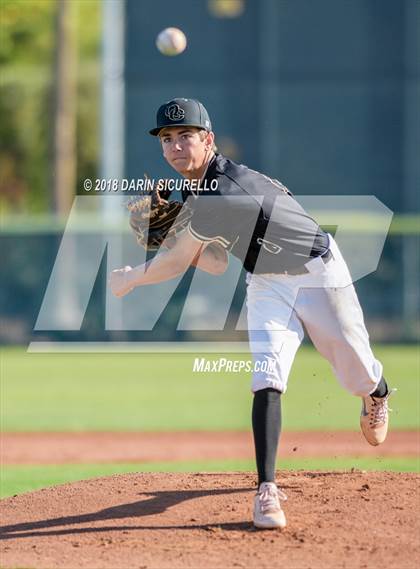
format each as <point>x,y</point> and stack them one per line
<point>76,392</point>
<point>141,392</point>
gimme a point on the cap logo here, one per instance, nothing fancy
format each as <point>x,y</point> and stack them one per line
<point>174,112</point>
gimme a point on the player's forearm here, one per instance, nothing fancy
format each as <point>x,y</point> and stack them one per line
<point>162,267</point>
<point>166,266</point>
<point>170,264</point>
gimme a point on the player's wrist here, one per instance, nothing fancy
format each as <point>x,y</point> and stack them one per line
<point>134,277</point>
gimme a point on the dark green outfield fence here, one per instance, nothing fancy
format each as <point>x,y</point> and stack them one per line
<point>324,95</point>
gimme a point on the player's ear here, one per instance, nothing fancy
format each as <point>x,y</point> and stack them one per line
<point>209,140</point>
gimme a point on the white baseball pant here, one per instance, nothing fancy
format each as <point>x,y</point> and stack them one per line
<point>323,301</point>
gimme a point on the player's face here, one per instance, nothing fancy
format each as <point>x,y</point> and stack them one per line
<point>186,149</point>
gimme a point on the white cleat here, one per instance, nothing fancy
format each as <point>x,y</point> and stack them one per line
<point>268,513</point>
<point>374,418</point>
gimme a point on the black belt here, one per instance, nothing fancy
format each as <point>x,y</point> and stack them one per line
<point>326,258</point>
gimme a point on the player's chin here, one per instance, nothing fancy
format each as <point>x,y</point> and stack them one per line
<point>181,166</point>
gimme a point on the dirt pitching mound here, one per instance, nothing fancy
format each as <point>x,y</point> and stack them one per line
<point>335,519</point>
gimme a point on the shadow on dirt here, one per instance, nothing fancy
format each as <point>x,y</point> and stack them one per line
<point>153,503</point>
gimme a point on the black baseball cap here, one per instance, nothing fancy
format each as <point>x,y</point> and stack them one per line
<point>181,112</point>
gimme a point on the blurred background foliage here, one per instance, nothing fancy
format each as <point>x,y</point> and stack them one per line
<point>27,51</point>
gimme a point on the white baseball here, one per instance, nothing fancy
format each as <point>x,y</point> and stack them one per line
<point>171,41</point>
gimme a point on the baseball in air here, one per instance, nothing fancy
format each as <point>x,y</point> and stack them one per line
<point>171,41</point>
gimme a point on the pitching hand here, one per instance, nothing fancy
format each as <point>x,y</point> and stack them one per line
<point>119,281</point>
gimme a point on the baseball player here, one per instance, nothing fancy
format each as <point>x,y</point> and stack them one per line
<point>296,278</point>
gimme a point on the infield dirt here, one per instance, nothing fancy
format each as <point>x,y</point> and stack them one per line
<point>88,447</point>
<point>335,519</point>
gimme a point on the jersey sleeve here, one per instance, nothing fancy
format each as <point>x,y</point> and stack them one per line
<point>210,220</point>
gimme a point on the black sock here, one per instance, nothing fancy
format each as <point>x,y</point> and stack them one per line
<point>381,390</point>
<point>266,425</point>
